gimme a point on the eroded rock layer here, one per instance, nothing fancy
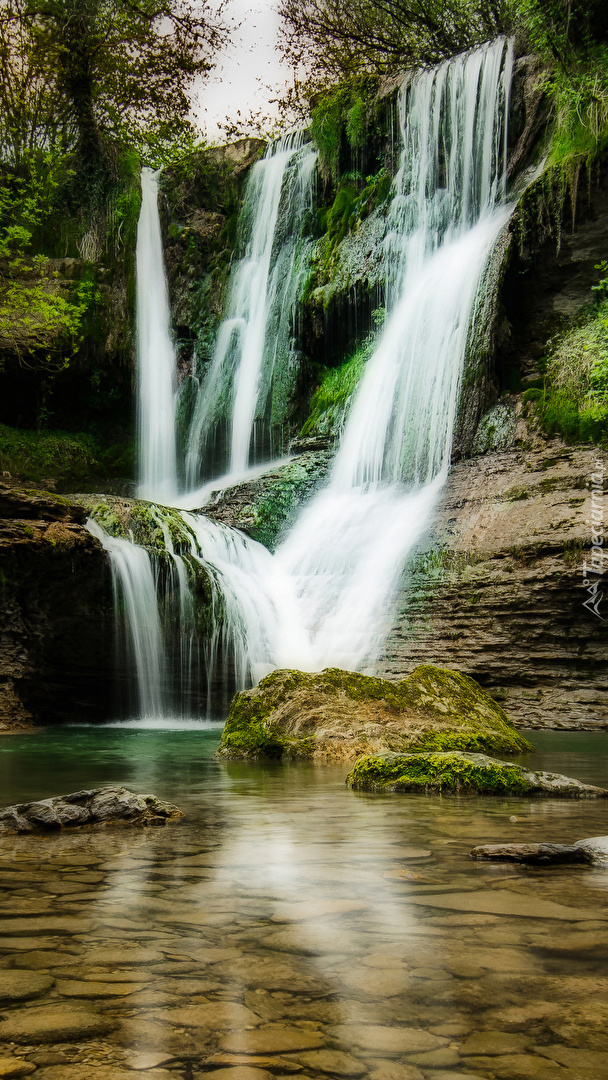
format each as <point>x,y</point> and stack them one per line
<point>499,591</point>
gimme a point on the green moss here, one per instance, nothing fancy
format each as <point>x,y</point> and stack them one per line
<point>109,520</point>
<point>331,402</point>
<point>466,741</point>
<point>451,772</point>
<point>58,455</point>
<point>533,394</point>
<point>247,731</point>
<point>459,700</point>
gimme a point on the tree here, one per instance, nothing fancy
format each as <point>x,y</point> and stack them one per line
<point>112,69</point>
<point>33,115</point>
<point>333,40</point>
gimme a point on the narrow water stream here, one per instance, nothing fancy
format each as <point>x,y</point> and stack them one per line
<point>290,926</point>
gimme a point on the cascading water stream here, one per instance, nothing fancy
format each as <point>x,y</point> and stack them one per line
<point>349,546</point>
<point>253,366</point>
<point>155,355</point>
<point>135,592</point>
<point>325,597</point>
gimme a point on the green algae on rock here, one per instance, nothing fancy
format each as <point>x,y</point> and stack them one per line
<point>460,773</point>
<point>339,715</point>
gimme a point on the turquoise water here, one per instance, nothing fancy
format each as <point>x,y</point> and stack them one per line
<point>179,764</point>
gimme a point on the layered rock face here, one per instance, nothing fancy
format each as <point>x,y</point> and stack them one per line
<point>56,639</point>
<point>499,591</point>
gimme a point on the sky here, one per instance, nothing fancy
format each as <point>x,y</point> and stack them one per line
<point>249,71</point>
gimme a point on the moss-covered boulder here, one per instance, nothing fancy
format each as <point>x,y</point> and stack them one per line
<point>339,715</point>
<point>460,773</point>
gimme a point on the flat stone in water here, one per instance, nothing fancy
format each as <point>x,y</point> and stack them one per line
<point>283,1065</point>
<point>335,1062</point>
<point>213,1014</point>
<point>377,983</point>
<point>140,1062</point>
<point>518,1017</point>
<point>275,1039</point>
<point>46,925</point>
<point>242,1072</point>
<point>23,985</point>
<point>518,1067</point>
<point>324,939</point>
<point>502,902</point>
<point>391,1040</point>
<point>315,909</point>
<point>451,1074</point>
<point>97,975</point>
<point>86,1071</point>
<point>394,1070</point>
<point>27,944</point>
<point>494,1042</point>
<point>123,957</point>
<point>589,1062</point>
<point>438,1059</point>
<point>88,989</point>
<point>12,1067</point>
<point>55,1023</point>
<point>465,969</point>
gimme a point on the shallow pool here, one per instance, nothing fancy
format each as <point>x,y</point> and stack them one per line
<point>290,927</point>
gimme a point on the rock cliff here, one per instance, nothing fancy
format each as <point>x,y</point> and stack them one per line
<point>56,639</point>
<point>499,591</point>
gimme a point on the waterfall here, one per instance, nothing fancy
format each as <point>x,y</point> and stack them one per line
<point>244,605</point>
<point>135,594</point>
<point>325,597</point>
<point>155,354</point>
<point>253,368</point>
<point>349,546</point>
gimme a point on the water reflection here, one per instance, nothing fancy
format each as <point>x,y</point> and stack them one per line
<point>290,925</point>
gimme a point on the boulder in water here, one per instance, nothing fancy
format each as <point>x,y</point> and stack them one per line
<point>107,806</point>
<point>339,715</point>
<point>461,773</point>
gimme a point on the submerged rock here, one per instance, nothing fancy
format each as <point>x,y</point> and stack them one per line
<point>106,805</point>
<point>461,773</point>
<point>594,849</point>
<point>339,715</point>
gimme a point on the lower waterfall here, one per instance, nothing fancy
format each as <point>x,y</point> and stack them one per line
<point>325,597</point>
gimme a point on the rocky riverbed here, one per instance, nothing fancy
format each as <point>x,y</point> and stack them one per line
<point>290,927</point>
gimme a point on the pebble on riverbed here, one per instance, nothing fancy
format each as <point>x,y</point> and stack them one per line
<point>107,805</point>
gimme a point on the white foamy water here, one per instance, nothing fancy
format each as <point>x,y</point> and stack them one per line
<point>155,355</point>
<point>253,367</point>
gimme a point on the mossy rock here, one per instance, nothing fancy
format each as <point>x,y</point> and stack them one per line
<point>460,773</point>
<point>339,715</point>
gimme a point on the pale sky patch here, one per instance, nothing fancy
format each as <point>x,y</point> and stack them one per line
<point>249,71</point>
